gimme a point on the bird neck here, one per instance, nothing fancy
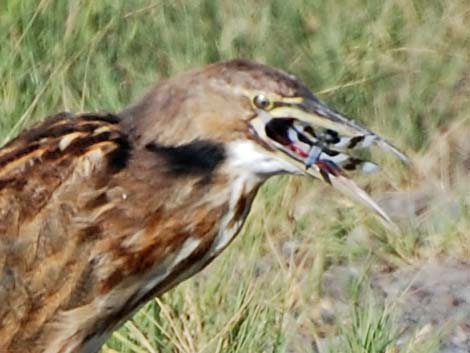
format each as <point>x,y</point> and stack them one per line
<point>240,193</point>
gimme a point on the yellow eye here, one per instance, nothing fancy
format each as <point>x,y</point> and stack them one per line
<point>261,102</point>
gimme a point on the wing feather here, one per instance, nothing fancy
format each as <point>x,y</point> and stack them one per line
<point>46,175</point>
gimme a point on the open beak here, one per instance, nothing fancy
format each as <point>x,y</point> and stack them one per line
<point>320,142</point>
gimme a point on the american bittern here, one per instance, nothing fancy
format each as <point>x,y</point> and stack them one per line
<point>101,212</point>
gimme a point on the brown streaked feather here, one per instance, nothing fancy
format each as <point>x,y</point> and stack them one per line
<point>40,251</point>
<point>86,225</point>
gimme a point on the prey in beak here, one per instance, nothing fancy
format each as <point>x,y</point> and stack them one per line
<point>320,142</point>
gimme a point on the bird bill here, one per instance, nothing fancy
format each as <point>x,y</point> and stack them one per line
<point>326,154</point>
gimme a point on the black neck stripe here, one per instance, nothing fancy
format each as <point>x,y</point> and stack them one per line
<point>196,157</point>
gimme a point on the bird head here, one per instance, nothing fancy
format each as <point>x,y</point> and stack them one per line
<point>266,121</point>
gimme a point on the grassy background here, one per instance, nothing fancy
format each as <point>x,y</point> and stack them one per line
<point>400,66</point>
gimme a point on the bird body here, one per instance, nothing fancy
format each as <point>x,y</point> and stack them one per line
<point>101,212</point>
<point>104,228</point>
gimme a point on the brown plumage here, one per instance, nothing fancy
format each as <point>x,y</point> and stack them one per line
<point>101,212</point>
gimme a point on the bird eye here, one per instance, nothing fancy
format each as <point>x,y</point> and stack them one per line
<point>261,101</point>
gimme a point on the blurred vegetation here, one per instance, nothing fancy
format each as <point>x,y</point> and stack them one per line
<point>401,66</point>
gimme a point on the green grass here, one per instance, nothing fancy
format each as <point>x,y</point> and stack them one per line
<point>400,66</point>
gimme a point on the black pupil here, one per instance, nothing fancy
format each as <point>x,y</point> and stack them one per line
<point>261,102</point>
